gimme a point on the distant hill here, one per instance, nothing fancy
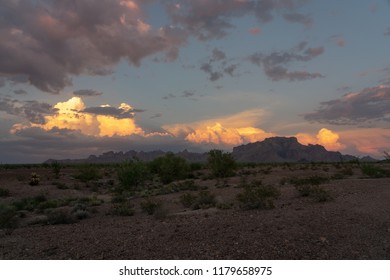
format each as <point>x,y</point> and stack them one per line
<point>286,149</point>
<point>274,149</point>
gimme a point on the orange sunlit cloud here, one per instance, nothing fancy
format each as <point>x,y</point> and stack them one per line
<point>70,115</point>
<point>229,130</point>
<point>324,137</point>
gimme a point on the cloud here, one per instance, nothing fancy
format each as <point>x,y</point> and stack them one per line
<point>212,19</point>
<point>338,40</point>
<point>32,110</point>
<point>73,115</point>
<point>218,60</point>
<point>325,137</point>
<point>255,30</point>
<point>87,92</point>
<point>275,64</point>
<point>225,131</point>
<point>48,42</point>
<point>20,92</point>
<point>387,33</point>
<point>299,18</point>
<point>370,104</point>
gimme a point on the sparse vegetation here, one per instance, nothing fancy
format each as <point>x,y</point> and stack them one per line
<point>132,174</point>
<point>373,171</point>
<point>169,168</point>
<point>56,167</point>
<point>125,208</point>
<point>8,217</point>
<point>88,173</point>
<point>204,200</point>
<point>61,216</point>
<point>4,192</point>
<point>221,164</point>
<point>150,206</point>
<point>187,199</point>
<point>258,196</point>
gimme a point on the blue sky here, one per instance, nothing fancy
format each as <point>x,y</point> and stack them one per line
<point>85,77</point>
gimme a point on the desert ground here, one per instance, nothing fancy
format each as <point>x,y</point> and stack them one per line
<point>318,211</point>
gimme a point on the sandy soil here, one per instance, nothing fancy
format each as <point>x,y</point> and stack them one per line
<point>354,225</point>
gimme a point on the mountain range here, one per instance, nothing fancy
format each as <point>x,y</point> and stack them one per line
<point>273,149</point>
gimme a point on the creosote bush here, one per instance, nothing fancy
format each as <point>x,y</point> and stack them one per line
<point>221,164</point>
<point>88,173</point>
<point>373,171</point>
<point>150,206</point>
<point>125,208</point>
<point>170,168</point>
<point>8,217</point>
<point>132,174</point>
<point>258,196</point>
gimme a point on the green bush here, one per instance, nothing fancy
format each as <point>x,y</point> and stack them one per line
<point>8,217</point>
<point>170,168</point>
<point>204,200</point>
<point>4,192</point>
<point>122,209</point>
<point>374,171</point>
<point>56,167</point>
<point>258,196</point>
<point>60,216</point>
<point>150,206</point>
<point>314,180</point>
<point>320,194</point>
<point>29,203</point>
<point>221,164</point>
<point>132,174</point>
<point>187,199</point>
<point>88,173</point>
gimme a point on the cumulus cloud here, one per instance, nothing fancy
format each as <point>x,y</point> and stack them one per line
<point>32,110</point>
<point>73,115</point>
<point>48,42</point>
<point>87,92</point>
<point>325,137</point>
<point>275,64</point>
<point>370,104</point>
<point>225,131</point>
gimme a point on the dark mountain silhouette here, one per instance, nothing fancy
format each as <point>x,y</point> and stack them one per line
<point>274,149</point>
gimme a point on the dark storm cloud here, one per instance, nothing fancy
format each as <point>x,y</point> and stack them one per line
<point>33,111</point>
<point>119,113</point>
<point>212,19</point>
<point>370,104</point>
<point>217,66</point>
<point>87,92</point>
<point>275,64</point>
<point>299,18</point>
<point>49,41</point>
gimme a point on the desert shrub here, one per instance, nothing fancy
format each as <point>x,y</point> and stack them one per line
<point>29,203</point>
<point>8,217</point>
<point>258,196</point>
<point>316,192</point>
<point>150,205</point>
<point>48,204</point>
<point>60,185</point>
<point>122,209</point>
<point>80,211</point>
<point>132,174</point>
<point>320,194</point>
<point>60,216</point>
<point>386,156</point>
<point>374,171</point>
<point>221,164</point>
<point>56,167</point>
<point>224,205</point>
<point>312,180</point>
<point>187,199</point>
<point>195,166</point>
<point>34,179</point>
<point>4,192</point>
<point>170,168</point>
<point>88,173</point>
<point>204,200</point>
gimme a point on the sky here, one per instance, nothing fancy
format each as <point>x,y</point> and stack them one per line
<point>87,77</point>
